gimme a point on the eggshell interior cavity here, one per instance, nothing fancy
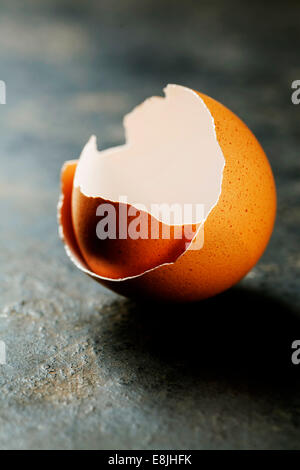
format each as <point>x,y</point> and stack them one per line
<point>171,156</point>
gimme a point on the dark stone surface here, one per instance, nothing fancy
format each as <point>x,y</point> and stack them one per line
<point>86,368</point>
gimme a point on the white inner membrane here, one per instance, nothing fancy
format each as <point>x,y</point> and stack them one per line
<point>171,156</point>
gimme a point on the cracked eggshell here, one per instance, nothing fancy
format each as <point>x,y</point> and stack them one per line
<point>231,174</point>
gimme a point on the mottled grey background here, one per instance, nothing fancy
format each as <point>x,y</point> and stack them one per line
<point>86,368</point>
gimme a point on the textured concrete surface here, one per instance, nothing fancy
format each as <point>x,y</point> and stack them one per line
<point>86,368</point>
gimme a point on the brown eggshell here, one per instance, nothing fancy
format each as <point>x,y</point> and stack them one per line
<point>237,230</point>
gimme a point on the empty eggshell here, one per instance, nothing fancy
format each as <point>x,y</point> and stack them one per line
<point>184,149</point>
